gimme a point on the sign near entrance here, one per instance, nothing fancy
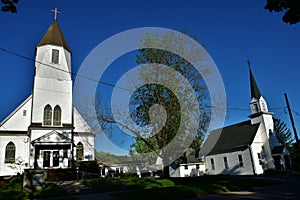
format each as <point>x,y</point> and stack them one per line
<point>37,179</point>
<point>34,179</point>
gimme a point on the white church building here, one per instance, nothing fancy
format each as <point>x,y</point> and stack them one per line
<point>249,147</point>
<point>46,131</point>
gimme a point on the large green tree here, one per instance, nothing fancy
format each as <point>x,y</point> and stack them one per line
<point>290,7</point>
<point>152,94</point>
<point>154,103</point>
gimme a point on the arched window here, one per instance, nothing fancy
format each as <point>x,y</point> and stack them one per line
<point>47,115</point>
<point>57,116</point>
<point>79,151</point>
<point>10,152</point>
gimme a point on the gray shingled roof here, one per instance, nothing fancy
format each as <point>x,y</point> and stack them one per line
<point>231,138</point>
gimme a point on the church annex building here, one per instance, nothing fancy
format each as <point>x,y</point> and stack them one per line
<point>46,131</point>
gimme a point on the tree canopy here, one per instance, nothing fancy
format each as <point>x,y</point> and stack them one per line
<point>150,95</point>
<point>290,7</point>
<point>9,6</point>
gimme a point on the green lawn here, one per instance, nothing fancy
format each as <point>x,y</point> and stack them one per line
<point>145,188</point>
<point>128,183</point>
<point>173,188</point>
<point>13,190</point>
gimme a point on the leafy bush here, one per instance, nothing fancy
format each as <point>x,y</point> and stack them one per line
<point>51,190</point>
<point>16,179</point>
<point>88,166</point>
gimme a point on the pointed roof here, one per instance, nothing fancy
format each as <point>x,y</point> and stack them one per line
<point>54,36</point>
<point>253,86</point>
<point>234,137</point>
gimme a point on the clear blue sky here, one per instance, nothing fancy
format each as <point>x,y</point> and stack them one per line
<point>231,31</point>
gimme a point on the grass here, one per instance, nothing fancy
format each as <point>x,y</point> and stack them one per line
<point>128,183</point>
<point>147,188</point>
<point>13,190</point>
<point>51,190</point>
<point>174,188</point>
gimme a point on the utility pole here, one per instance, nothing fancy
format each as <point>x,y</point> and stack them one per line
<point>292,119</point>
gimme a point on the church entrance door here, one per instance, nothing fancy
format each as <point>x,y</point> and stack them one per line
<point>55,158</point>
<point>46,159</point>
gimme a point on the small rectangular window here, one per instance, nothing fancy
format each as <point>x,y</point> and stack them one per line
<point>55,56</point>
<point>226,163</point>
<point>259,155</point>
<point>197,166</point>
<point>186,167</point>
<point>24,113</point>
<point>241,162</point>
<point>212,162</point>
<point>255,108</point>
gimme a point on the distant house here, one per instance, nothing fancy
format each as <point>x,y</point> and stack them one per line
<point>190,168</point>
<point>112,169</point>
<point>249,147</point>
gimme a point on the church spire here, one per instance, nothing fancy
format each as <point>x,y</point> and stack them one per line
<point>255,93</point>
<point>54,36</point>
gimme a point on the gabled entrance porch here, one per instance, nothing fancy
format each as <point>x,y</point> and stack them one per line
<point>52,150</point>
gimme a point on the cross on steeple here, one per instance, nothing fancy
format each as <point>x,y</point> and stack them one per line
<point>249,62</point>
<point>55,13</point>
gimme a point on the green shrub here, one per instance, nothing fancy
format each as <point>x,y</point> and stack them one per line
<point>88,166</point>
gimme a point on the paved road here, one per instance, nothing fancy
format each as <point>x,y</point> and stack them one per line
<point>288,189</point>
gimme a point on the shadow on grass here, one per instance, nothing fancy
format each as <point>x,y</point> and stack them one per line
<point>14,191</point>
<point>13,195</point>
<point>195,187</point>
<point>128,183</point>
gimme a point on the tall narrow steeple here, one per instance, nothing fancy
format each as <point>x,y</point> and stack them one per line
<point>258,104</point>
<point>255,93</point>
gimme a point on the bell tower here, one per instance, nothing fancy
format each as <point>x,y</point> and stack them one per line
<point>258,105</point>
<point>52,90</point>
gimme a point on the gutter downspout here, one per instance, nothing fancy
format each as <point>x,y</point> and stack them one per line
<point>252,160</point>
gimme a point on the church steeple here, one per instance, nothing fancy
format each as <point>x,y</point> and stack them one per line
<point>52,80</point>
<point>258,104</point>
<point>255,93</point>
<point>54,36</point>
